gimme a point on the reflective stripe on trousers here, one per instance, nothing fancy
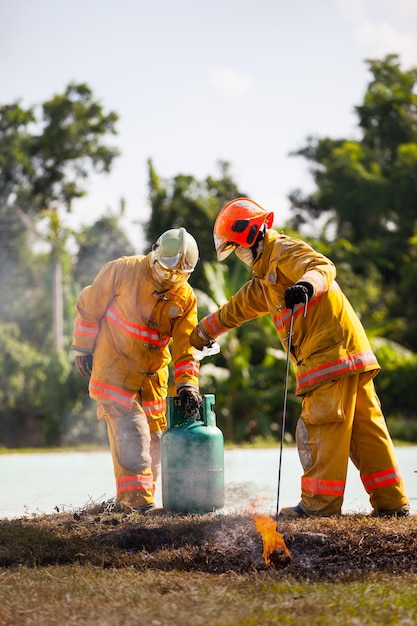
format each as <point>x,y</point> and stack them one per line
<point>343,419</point>
<point>136,452</point>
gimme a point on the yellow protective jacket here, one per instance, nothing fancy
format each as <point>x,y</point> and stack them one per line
<point>329,341</point>
<point>128,324</point>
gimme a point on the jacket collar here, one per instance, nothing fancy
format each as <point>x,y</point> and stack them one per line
<point>260,267</point>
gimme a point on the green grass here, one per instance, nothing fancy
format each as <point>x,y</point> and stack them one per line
<point>92,595</point>
<point>80,448</point>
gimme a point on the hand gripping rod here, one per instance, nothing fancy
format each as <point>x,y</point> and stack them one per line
<point>284,409</point>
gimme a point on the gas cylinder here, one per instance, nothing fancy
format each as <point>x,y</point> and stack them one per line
<point>192,458</point>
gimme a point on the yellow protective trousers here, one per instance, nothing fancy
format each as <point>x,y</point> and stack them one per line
<point>135,445</point>
<point>341,419</point>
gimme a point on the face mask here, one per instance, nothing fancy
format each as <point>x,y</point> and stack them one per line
<point>250,255</point>
<point>245,255</point>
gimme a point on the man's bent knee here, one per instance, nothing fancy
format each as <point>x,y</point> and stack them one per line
<point>134,441</point>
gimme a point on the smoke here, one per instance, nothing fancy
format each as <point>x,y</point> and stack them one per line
<point>249,497</point>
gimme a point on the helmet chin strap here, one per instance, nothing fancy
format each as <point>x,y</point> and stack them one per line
<point>252,254</point>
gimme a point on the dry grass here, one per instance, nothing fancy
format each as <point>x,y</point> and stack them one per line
<point>100,566</point>
<point>350,546</point>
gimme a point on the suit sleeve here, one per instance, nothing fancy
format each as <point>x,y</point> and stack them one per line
<point>247,304</point>
<point>92,305</point>
<point>186,366</point>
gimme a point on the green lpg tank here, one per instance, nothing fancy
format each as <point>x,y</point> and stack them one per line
<point>192,457</point>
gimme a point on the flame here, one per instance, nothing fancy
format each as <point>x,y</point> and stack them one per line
<point>275,551</point>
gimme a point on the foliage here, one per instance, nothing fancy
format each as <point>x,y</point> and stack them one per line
<point>395,382</point>
<point>363,215</point>
<point>367,189</point>
<point>97,244</point>
<point>194,205</point>
<point>23,368</point>
<point>37,390</point>
<point>46,153</point>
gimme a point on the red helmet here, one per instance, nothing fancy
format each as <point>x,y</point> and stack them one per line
<point>238,224</point>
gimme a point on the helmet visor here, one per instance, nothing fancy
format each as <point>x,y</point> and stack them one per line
<point>223,248</point>
<point>177,262</point>
<point>167,275</point>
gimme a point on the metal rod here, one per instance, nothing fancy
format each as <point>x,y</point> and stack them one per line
<point>284,409</point>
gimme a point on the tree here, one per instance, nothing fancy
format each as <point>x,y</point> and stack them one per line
<point>99,243</point>
<point>367,189</point>
<point>185,201</point>
<point>46,153</point>
<point>37,390</point>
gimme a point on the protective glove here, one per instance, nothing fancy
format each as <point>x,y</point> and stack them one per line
<point>190,399</point>
<point>199,338</point>
<point>84,364</point>
<point>298,293</point>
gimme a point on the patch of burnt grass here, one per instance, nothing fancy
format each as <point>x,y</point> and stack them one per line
<point>348,547</point>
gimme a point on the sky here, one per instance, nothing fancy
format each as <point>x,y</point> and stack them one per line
<point>197,82</point>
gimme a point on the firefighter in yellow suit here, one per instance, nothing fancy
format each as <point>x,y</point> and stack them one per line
<point>125,322</point>
<point>341,415</point>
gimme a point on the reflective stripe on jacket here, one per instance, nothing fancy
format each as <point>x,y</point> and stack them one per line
<point>329,341</point>
<point>128,324</point>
